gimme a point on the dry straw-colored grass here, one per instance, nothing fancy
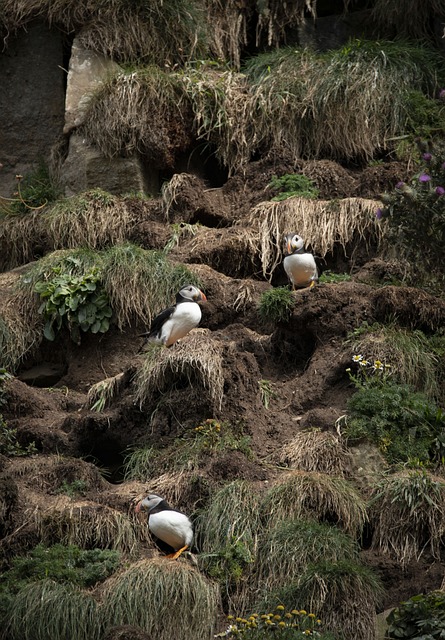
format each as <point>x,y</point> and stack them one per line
<point>167,599</point>
<point>408,515</point>
<point>88,525</point>
<point>160,31</point>
<point>317,450</point>
<point>19,235</point>
<point>46,609</point>
<point>102,393</point>
<point>410,18</point>
<point>317,496</point>
<point>322,223</point>
<point>145,112</point>
<point>196,359</point>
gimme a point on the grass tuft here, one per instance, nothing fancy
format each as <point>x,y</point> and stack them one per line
<point>316,450</point>
<point>167,599</point>
<point>276,305</point>
<point>317,495</point>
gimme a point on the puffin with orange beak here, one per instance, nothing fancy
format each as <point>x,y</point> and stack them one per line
<point>167,524</point>
<point>299,265</point>
<point>174,323</point>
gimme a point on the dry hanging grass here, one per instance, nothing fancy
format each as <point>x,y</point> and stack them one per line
<point>410,18</point>
<point>146,112</point>
<point>228,28</point>
<point>93,219</point>
<point>277,16</point>
<point>102,393</point>
<point>317,450</point>
<point>319,496</point>
<point>289,547</point>
<point>87,525</point>
<point>167,599</point>
<point>322,224</point>
<point>408,515</point>
<point>172,30</point>
<point>47,609</point>
<point>19,235</point>
<point>196,359</point>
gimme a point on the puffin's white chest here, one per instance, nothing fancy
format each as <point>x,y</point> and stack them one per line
<point>301,269</point>
<point>172,527</point>
<point>185,317</point>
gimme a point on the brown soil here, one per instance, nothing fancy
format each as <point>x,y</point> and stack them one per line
<point>303,360</point>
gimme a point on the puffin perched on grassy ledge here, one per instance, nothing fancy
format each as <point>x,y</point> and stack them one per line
<point>174,323</point>
<point>299,265</point>
<point>167,524</point>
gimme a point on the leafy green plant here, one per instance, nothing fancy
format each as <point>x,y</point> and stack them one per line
<point>276,305</point>
<point>328,277</point>
<point>293,184</point>
<point>228,564</point>
<point>76,301</point>
<point>9,445</point>
<point>418,204</point>
<point>267,393</point>
<point>422,616</point>
<point>404,424</point>
<point>74,488</point>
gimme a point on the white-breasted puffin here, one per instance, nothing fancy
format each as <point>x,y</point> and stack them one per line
<point>175,322</point>
<point>299,264</point>
<point>167,524</point>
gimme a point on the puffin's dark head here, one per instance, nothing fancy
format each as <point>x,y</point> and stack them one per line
<point>292,243</point>
<point>148,503</point>
<point>190,293</point>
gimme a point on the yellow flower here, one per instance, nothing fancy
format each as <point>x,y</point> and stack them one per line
<point>229,617</point>
<point>280,607</point>
<point>318,621</point>
<point>303,612</point>
<point>288,615</point>
<point>269,621</point>
<point>277,617</point>
<point>281,624</point>
<point>378,366</point>
<point>294,612</point>
<point>311,615</point>
<point>264,616</point>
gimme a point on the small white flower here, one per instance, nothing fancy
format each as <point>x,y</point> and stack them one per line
<point>357,358</point>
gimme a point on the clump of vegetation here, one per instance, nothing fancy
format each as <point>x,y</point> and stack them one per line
<point>293,184</point>
<point>34,192</point>
<point>317,496</point>
<point>420,205</point>
<point>405,425</point>
<point>166,599</point>
<point>74,488</point>
<point>408,514</point>
<point>276,305</point>
<point>78,302</point>
<point>317,450</point>
<point>329,277</point>
<point>421,616</point>
<point>43,569</point>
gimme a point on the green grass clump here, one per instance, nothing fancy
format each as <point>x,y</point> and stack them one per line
<point>288,547</point>
<point>276,305</point>
<point>167,599</point>
<point>47,609</point>
<point>329,277</point>
<point>291,185</point>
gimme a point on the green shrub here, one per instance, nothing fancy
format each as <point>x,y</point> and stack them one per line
<point>9,446</point>
<point>421,616</point>
<point>279,623</point>
<point>76,301</point>
<point>276,305</point>
<point>414,216</point>
<point>34,191</point>
<point>74,488</point>
<point>405,425</point>
<point>293,184</point>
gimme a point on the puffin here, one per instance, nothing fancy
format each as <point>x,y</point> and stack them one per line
<point>299,265</point>
<point>168,525</point>
<point>175,322</point>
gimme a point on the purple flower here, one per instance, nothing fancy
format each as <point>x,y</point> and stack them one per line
<point>442,94</point>
<point>424,178</point>
<point>400,185</point>
<point>427,157</point>
<point>379,214</point>
<point>440,191</point>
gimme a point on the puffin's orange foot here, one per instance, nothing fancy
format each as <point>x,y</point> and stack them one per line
<point>177,553</point>
<point>312,284</point>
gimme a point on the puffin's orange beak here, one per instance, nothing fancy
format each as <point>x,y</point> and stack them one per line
<point>138,507</point>
<point>203,296</point>
<point>289,246</point>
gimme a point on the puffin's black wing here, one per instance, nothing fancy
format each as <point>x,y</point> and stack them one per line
<point>321,264</point>
<point>158,321</point>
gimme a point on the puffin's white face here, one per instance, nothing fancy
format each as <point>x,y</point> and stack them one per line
<point>192,293</point>
<point>148,503</point>
<point>293,242</point>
